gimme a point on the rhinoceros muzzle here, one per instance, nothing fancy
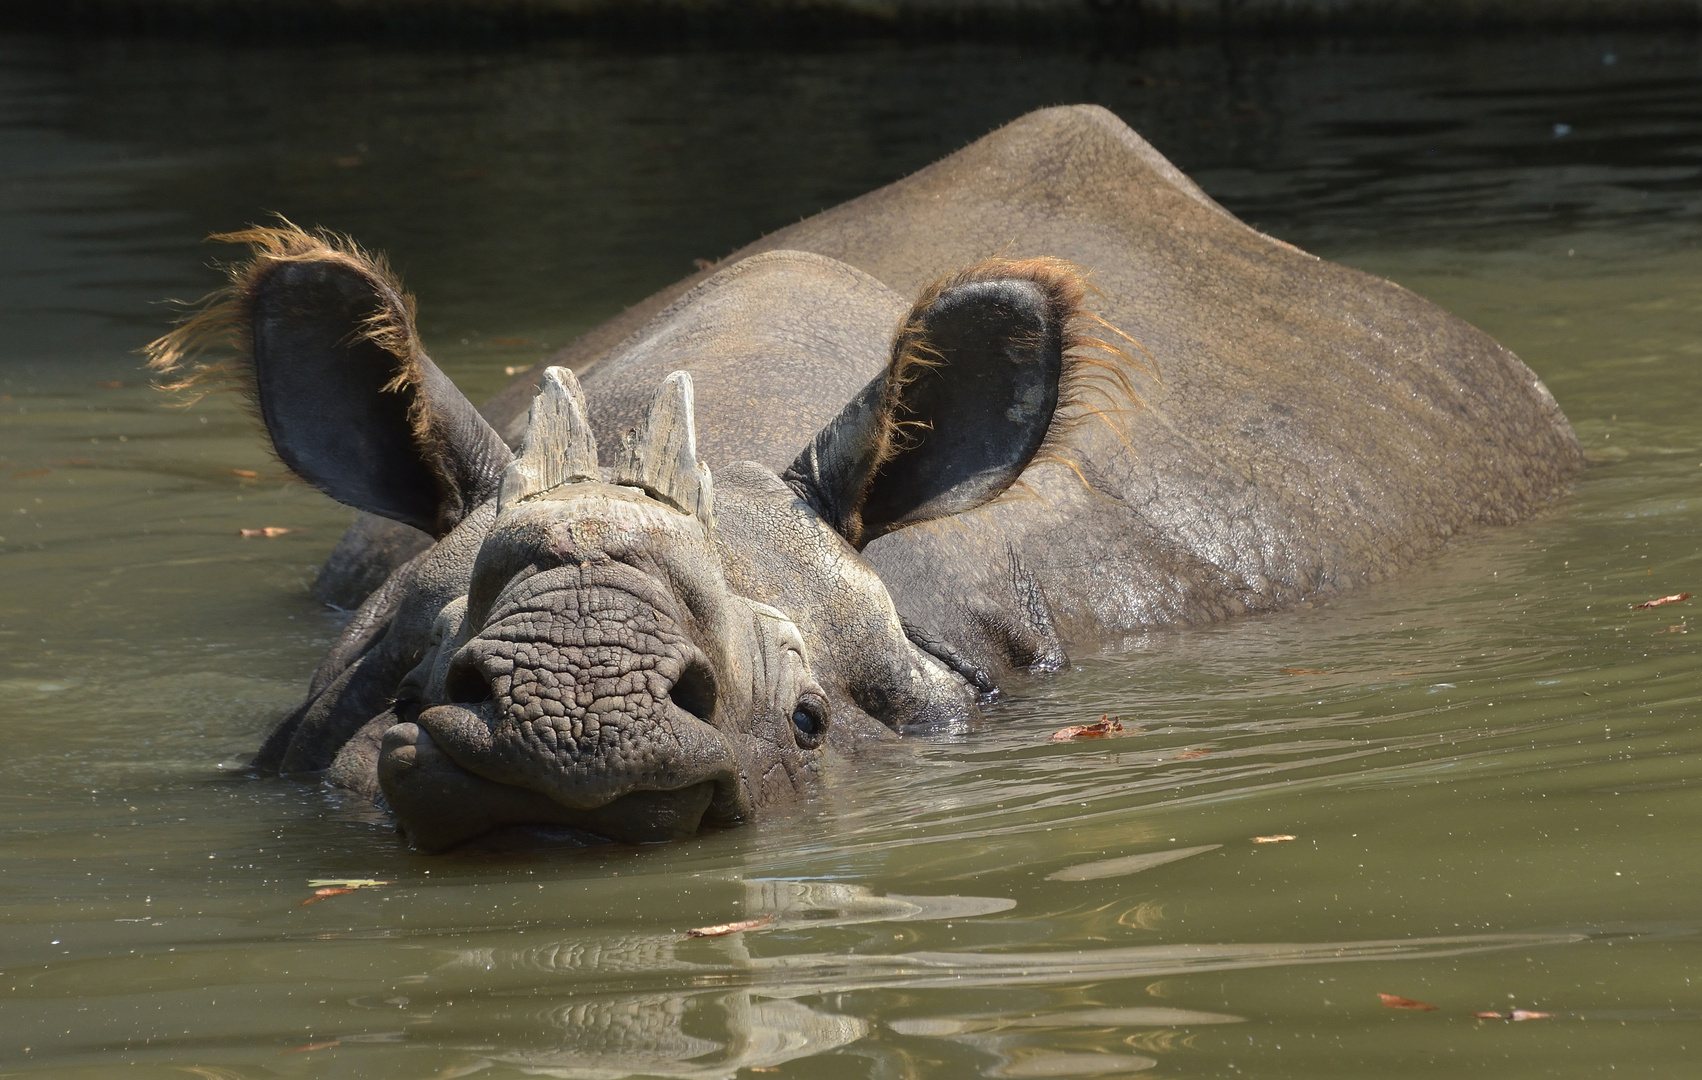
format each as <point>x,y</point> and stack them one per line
<point>441,805</point>
<point>586,711</point>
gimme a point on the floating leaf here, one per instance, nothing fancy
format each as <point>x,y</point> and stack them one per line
<point>1303,671</point>
<point>1658,601</point>
<point>1188,755</point>
<point>310,1047</point>
<point>268,532</point>
<point>1103,729</point>
<point>1277,839</point>
<point>325,888</point>
<point>324,894</point>
<point>1392,1001</point>
<point>723,929</point>
<point>245,474</point>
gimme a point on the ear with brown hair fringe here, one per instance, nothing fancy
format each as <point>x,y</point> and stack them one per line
<point>319,337</point>
<point>978,373</point>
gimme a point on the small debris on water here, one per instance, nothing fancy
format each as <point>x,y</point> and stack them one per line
<point>1105,728</point>
<point>1395,1001</point>
<point>1516,1014</point>
<point>723,929</point>
<point>703,264</point>
<point>244,474</point>
<point>1277,839</point>
<point>268,532</point>
<point>310,1047</point>
<point>1660,600</point>
<point>515,369</point>
<point>1188,755</point>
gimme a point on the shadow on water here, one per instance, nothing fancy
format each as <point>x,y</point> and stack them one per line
<point>1485,770</point>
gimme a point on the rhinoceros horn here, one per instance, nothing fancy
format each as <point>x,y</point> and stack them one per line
<point>558,448</point>
<point>660,454</point>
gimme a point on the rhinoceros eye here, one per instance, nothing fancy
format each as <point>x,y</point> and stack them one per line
<point>809,720</point>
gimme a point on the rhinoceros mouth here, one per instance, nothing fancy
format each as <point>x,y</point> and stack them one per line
<point>440,805</point>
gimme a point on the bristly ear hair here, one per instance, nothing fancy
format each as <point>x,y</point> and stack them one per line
<point>1066,287</point>
<point>223,320</point>
<point>318,336</point>
<point>992,367</point>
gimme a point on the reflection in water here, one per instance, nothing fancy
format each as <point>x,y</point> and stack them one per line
<point>1127,864</point>
<point>764,1009</point>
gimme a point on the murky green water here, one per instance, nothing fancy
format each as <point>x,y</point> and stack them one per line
<point>1490,767</point>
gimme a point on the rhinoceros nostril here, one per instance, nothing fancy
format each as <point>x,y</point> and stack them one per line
<point>466,684</point>
<point>695,691</point>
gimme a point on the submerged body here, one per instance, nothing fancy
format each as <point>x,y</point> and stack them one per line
<point>872,497</point>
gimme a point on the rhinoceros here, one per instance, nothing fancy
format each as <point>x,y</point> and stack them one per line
<point>857,476</point>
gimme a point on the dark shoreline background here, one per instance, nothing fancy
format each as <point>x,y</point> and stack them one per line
<point>824,22</point>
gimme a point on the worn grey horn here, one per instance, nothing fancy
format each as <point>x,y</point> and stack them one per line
<point>558,448</point>
<point>660,454</point>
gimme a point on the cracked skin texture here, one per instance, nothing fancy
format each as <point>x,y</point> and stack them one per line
<point>1315,428</point>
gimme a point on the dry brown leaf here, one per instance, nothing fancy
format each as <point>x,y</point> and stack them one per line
<point>1104,728</point>
<point>723,929</point>
<point>244,474</point>
<point>324,894</point>
<point>1188,755</point>
<point>1277,839</point>
<point>1393,1001</point>
<point>1658,601</point>
<point>1303,671</point>
<point>268,532</point>
<point>325,888</point>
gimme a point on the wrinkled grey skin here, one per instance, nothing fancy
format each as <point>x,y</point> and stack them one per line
<point>599,660</point>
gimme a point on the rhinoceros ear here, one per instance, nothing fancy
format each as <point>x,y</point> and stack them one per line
<point>332,363</point>
<point>965,402</point>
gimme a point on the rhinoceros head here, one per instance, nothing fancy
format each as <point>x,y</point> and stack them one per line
<point>630,648</point>
<point>600,671</point>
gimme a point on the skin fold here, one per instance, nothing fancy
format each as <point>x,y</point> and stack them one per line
<point>854,477</point>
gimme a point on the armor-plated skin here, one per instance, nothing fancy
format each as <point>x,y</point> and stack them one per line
<point>877,490</point>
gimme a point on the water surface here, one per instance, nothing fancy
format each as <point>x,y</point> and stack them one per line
<point>1489,766</point>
